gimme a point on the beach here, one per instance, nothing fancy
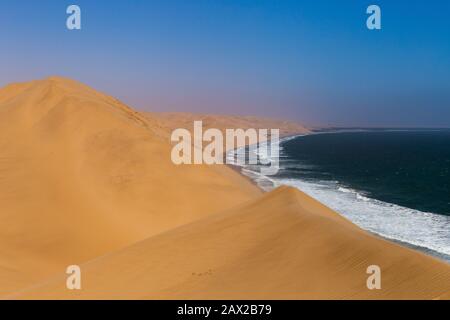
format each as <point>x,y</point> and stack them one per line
<point>88,181</point>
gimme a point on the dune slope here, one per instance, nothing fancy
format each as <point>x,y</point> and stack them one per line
<point>281,245</point>
<point>169,121</point>
<point>81,174</point>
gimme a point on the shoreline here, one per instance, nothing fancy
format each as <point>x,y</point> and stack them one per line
<point>190,232</point>
<point>421,249</point>
<point>238,169</point>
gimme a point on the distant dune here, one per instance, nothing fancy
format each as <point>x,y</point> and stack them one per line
<point>86,180</point>
<point>81,175</point>
<point>172,120</point>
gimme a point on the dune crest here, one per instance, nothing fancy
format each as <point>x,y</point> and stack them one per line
<point>283,245</point>
<point>82,174</point>
<point>169,121</point>
<point>86,180</point>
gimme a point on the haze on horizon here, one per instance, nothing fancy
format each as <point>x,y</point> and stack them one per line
<point>315,62</point>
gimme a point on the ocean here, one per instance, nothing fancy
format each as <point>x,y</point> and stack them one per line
<point>394,183</point>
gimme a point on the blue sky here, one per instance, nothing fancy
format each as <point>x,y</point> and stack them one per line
<point>313,61</point>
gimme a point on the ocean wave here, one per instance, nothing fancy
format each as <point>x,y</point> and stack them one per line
<point>418,228</point>
<point>424,230</point>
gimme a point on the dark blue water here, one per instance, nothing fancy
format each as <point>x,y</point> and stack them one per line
<point>393,183</point>
<point>411,169</point>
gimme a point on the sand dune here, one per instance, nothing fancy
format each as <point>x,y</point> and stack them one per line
<point>281,245</point>
<point>86,180</point>
<point>169,121</point>
<point>81,175</point>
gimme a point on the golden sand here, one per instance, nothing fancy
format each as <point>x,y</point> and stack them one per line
<point>86,180</point>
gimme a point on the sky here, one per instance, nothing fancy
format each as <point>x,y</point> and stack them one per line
<point>311,61</point>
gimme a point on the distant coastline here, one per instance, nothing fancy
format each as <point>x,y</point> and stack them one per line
<point>268,184</point>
